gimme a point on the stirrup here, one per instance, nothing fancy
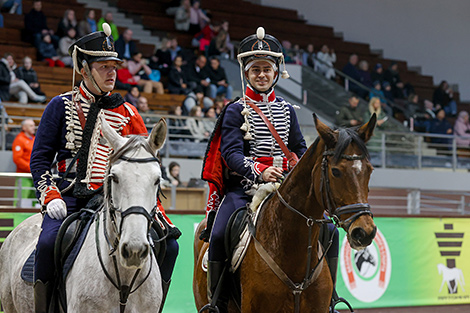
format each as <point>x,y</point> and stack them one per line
<point>334,302</point>
<point>211,308</point>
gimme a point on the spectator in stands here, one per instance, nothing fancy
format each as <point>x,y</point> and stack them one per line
<point>350,115</point>
<point>377,73</point>
<point>198,19</point>
<point>195,99</point>
<point>423,117</point>
<point>393,77</point>
<point>13,6</point>
<point>69,20</point>
<point>88,24</point>
<point>5,80</point>
<point>387,91</point>
<point>218,80</point>
<point>138,67</point>
<point>377,91</point>
<point>297,54</point>
<point>125,46</point>
<point>48,53</point>
<point>365,77</point>
<point>375,106</point>
<point>196,125</point>
<point>350,70</point>
<point>23,145</point>
<point>174,174</point>
<point>35,23</point>
<point>308,57</point>
<point>162,59</point>
<point>18,87</point>
<point>219,104</point>
<point>132,96</point>
<point>286,51</point>
<point>462,130</point>
<point>183,16</point>
<point>177,126</point>
<point>177,81</point>
<point>205,36</point>
<point>29,75</point>
<point>198,76</point>
<point>1,20</point>
<point>326,58</point>
<point>218,45</point>
<point>440,125</point>
<point>443,96</point>
<point>209,122</point>
<point>108,18</point>
<point>412,105</point>
<point>143,108</point>
<point>228,42</point>
<point>64,44</point>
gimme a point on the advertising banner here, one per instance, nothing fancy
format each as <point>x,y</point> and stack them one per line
<point>411,262</point>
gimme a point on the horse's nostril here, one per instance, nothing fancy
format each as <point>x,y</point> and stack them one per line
<point>145,252</point>
<point>125,251</point>
<point>358,234</point>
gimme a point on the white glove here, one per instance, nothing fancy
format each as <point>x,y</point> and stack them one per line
<point>56,209</point>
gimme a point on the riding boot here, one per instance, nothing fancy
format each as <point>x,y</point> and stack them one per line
<point>165,287</point>
<point>333,266</point>
<point>42,296</point>
<point>215,273</point>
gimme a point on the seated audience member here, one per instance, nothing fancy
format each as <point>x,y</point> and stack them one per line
<point>412,105</point>
<point>198,76</point>
<point>13,6</point>
<point>350,70</point>
<point>326,59</point>
<point>375,106</point>
<point>218,45</point>
<point>5,80</point>
<point>377,92</point>
<point>174,174</point>
<point>35,23</point>
<point>209,123</point>
<point>48,53</point>
<point>350,115</point>
<point>365,77</point>
<point>393,77</point>
<point>162,59</point>
<point>132,96</point>
<point>64,44</point>
<point>219,104</point>
<point>177,126</point>
<point>177,81</point>
<point>196,125</point>
<point>205,36</point>
<point>218,80</point>
<point>18,87</point>
<point>443,96</point>
<point>195,99</point>
<point>228,42</point>
<point>377,73</point>
<point>387,91</point>
<point>440,125</point>
<point>462,131</point>
<point>29,75</point>
<point>88,24</point>
<point>125,46</point>
<point>197,18</point>
<point>138,66</point>
<point>143,108</point>
<point>183,16</point>
<point>308,57</point>
<point>423,117</point>
<point>108,18</point>
<point>297,54</point>
<point>67,22</point>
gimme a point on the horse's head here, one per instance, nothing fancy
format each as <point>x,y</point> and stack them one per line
<point>131,190</point>
<point>344,180</point>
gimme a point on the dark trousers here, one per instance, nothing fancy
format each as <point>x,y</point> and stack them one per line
<point>168,264</point>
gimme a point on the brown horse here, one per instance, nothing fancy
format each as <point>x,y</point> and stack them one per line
<point>278,273</point>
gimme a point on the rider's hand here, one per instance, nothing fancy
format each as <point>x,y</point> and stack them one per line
<point>56,209</point>
<point>272,174</point>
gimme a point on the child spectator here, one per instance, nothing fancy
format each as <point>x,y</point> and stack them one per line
<point>29,75</point>
<point>209,122</point>
<point>67,22</point>
<point>388,92</point>
<point>218,80</point>
<point>64,44</point>
<point>48,53</point>
<point>132,96</point>
<point>377,73</point>
<point>377,92</point>
<point>88,24</point>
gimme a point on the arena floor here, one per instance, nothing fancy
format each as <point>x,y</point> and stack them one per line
<point>428,309</point>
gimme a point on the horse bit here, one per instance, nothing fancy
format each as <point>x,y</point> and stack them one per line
<point>334,212</point>
<point>124,290</point>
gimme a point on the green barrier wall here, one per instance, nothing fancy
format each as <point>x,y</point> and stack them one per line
<point>412,262</point>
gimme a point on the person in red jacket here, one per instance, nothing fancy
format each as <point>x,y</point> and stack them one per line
<point>22,147</point>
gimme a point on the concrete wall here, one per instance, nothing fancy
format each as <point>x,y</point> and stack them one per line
<point>432,34</point>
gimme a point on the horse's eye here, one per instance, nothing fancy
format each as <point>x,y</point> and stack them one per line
<point>157,182</point>
<point>336,172</point>
<point>115,178</point>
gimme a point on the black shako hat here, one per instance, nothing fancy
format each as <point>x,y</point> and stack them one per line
<point>94,47</point>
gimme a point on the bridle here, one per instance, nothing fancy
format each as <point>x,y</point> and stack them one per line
<point>334,211</point>
<point>124,290</point>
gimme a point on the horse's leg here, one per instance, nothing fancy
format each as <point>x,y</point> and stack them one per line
<point>442,284</point>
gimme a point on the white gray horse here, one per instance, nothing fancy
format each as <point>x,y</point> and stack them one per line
<point>133,179</point>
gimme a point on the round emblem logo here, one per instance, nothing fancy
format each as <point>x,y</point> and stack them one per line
<point>366,273</point>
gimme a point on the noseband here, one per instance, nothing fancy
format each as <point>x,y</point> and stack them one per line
<point>334,211</point>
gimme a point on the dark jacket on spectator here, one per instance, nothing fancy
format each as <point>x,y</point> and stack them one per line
<point>34,22</point>
<point>120,46</point>
<point>5,80</point>
<point>352,72</point>
<point>440,127</point>
<point>217,76</point>
<point>46,50</point>
<point>29,76</point>
<point>346,114</point>
<point>175,79</point>
<point>195,76</point>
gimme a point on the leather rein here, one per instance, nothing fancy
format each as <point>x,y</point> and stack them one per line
<point>335,213</point>
<point>124,290</point>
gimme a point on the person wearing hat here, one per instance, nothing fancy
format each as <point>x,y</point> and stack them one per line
<point>248,152</point>
<point>70,133</point>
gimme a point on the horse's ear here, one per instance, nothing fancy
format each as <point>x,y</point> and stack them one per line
<point>367,130</point>
<point>158,135</point>
<point>114,139</point>
<point>325,132</point>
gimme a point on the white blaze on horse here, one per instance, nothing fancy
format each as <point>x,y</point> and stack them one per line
<point>130,200</point>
